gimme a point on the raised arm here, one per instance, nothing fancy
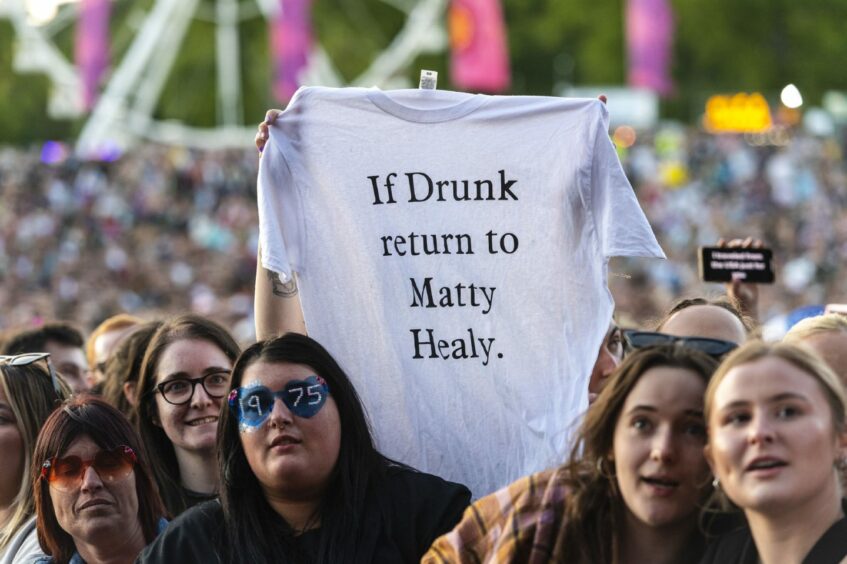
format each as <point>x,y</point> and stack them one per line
<point>276,304</point>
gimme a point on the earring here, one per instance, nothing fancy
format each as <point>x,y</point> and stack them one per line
<point>602,470</point>
<point>716,483</point>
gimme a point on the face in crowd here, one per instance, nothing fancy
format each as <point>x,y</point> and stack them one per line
<point>646,433</point>
<point>658,447</point>
<point>776,428</point>
<point>192,377</point>
<point>608,358</point>
<point>291,442</point>
<point>70,362</point>
<point>94,492</point>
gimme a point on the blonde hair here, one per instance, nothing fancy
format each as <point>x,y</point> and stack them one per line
<point>795,355</point>
<point>119,321</point>
<point>30,393</point>
<point>829,323</point>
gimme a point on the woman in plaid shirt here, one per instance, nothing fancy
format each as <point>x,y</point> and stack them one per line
<point>631,490</point>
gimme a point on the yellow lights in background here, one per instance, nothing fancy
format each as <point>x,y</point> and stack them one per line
<point>737,113</point>
<point>624,137</point>
<point>673,174</point>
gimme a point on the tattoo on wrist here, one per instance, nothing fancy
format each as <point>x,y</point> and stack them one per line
<point>282,289</point>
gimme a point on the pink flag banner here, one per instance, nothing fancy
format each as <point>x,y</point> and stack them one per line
<point>649,35</point>
<point>91,47</point>
<point>479,53</point>
<point>291,40</point>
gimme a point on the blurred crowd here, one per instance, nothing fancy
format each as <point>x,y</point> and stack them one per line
<point>158,231</point>
<point>697,188</point>
<point>163,229</point>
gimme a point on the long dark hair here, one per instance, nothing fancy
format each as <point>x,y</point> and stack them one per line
<point>592,519</point>
<point>163,456</point>
<point>258,532</point>
<point>108,428</point>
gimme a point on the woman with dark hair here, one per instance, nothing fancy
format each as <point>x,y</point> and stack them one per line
<point>632,487</point>
<point>124,366</point>
<point>94,495</point>
<point>301,479</point>
<point>29,390</point>
<point>184,378</point>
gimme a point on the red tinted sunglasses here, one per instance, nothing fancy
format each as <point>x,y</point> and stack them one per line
<point>65,474</point>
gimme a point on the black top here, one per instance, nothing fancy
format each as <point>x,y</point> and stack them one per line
<point>193,498</point>
<point>404,515</point>
<point>738,547</point>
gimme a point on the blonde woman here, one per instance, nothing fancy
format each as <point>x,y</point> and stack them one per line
<point>826,335</point>
<point>777,439</point>
<point>29,390</point>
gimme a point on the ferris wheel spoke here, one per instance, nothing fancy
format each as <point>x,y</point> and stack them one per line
<point>202,138</point>
<point>423,32</point>
<point>106,124</point>
<point>151,38</point>
<point>321,71</point>
<point>34,52</point>
<point>228,64</point>
<point>151,84</point>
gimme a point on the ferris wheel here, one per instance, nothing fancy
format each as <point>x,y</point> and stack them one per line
<point>124,113</point>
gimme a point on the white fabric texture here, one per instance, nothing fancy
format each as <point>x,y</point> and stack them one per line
<point>515,298</point>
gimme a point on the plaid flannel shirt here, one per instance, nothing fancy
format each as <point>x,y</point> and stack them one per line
<point>520,523</point>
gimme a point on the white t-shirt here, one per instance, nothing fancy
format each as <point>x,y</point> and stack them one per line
<point>451,252</point>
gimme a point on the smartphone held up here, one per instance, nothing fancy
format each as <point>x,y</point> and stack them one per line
<point>724,264</point>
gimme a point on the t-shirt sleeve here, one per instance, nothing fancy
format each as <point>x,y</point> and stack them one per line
<point>620,226</point>
<point>423,507</point>
<point>281,226</point>
<point>446,502</point>
<point>191,537</point>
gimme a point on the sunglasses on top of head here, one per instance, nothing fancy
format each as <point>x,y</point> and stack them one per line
<point>713,347</point>
<point>26,359</point>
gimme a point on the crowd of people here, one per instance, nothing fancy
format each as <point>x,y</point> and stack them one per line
<point>166,229</point>
<point>159,230</point>
<point>136,433</point>
<point>701,443</point>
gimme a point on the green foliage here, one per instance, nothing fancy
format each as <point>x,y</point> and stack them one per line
<point>720,46</point>
<point>552,42</point>
<point>23,100</point>
<point>757,45</point>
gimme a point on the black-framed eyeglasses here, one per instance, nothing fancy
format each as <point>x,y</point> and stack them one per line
<point>713,347</point>
<point>179,391</point>
<point>25,359</point>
